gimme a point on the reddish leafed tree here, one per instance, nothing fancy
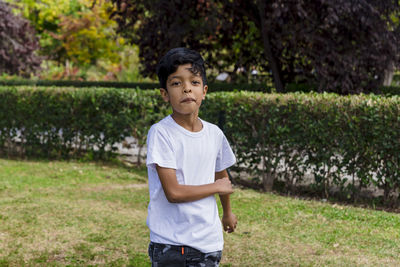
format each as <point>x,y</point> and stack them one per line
<point>18,44</point>
<point>341,46</point>
<point>207,26</point>
<point>338,45</point>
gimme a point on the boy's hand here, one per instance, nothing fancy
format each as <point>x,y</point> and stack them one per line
<point>224,185</point>
<point>229,221</point>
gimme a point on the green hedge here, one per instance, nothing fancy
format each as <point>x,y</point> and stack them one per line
<point>285,137</point>
<point>307,88</point>
<point>213,87</point>
<point>78,84</point>
<point>389,90</point>
<point>332,138</point>
<point>90,120</point>
<point>396,79</point>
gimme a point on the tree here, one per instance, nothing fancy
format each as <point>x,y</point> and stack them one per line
<point>89,35</point>
<point>78,31</point>
<point>341,46</point>
<point>156,26</point>
<point>45,17</point>
<point>348,45</point>
<point>18,44</point>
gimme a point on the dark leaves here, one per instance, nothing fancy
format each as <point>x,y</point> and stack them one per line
<point>340,46</point>
<point>18,44</point>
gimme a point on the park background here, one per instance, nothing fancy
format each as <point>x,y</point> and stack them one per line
<point>306,93</point>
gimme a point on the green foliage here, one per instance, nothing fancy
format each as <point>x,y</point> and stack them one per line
<point>78,84</point>
<point>389,90</point>
<point>255,87</point>
<point>306,88</point>
<point>45,16</point>
<point>79,31</point>
<point>65,122</point>
<point>128,70</point>
<point>299,87</point>
<point>125,69</point>
<point>347,143</point>
<point>79,41</point>
<point>343,143</point>
<point>396,80</point>
<point>89,35</point>
<point>213,87</point>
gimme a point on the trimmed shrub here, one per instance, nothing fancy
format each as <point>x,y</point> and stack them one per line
<point>78,84</point>
<point>213,87</point>
<point>307,88</point>
<point>342,143</point>
<point>65,122</point>
<point>389,90</point>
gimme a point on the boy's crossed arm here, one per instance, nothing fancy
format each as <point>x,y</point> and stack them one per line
<point>177,193</point>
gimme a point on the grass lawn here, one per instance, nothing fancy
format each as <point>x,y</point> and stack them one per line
<point>93,214</point>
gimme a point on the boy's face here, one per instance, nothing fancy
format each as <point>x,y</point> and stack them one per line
<point>185,91</point>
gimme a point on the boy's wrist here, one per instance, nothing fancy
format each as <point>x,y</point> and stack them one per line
<point>218,188</point>
<point>227,212</point>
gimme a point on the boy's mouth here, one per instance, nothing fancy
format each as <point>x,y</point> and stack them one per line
<point>188,100</point>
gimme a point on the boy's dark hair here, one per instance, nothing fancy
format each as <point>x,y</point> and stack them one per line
<point>175,57</point>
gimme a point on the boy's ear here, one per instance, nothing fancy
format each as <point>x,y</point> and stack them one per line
<point>164,94</point>
<point>205,89</point>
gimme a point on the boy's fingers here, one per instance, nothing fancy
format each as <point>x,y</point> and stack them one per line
<point>230,228</point>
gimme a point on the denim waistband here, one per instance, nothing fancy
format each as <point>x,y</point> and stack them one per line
<point>183,249</point>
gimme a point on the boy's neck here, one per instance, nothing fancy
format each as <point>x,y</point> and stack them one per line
<point>190,122</point>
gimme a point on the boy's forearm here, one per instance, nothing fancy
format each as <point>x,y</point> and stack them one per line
<point>226,203</point>
<point>188,193</point>
<point>178,193</point>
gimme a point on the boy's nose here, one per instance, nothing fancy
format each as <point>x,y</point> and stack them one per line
<point>187,88</point>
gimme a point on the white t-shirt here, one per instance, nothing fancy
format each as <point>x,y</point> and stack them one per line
<point>195,156</point>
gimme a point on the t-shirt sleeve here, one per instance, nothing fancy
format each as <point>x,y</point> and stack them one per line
<point>225,157</point>
<point>159,149</point>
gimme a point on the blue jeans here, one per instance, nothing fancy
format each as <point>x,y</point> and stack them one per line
<point>163,255</point>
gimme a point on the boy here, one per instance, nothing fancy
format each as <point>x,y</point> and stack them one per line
<point>187,160</point>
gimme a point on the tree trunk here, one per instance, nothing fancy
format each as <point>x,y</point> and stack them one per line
<point>267,176</point>
<point>268,49</point>
<point>139,156</point>
<point>268,181</point>
<point>388,75</point>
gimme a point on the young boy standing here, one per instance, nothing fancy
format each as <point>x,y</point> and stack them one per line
<point>187,160</point>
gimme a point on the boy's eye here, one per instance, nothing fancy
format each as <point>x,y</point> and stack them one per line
<point>175,83</point>
<point>196,82</point>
